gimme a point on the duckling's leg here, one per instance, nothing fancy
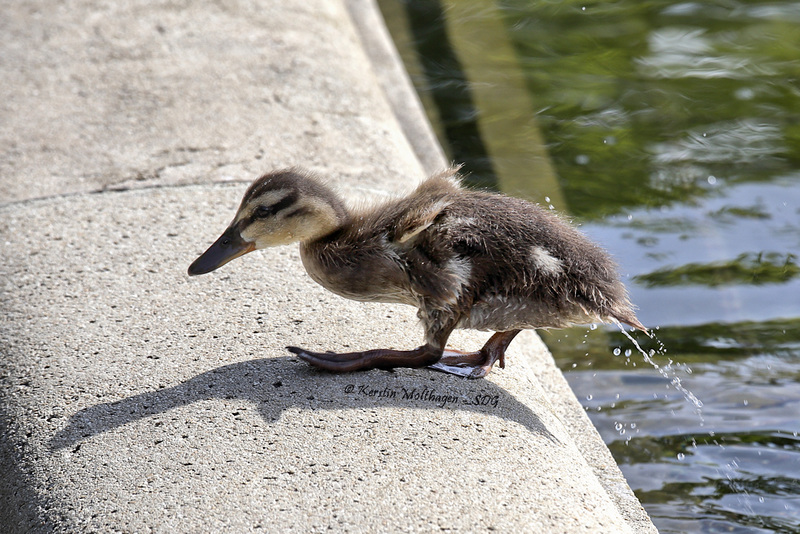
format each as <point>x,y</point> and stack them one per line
<point>370,359</point>
<point>424,356</point>
<point>477,364</point>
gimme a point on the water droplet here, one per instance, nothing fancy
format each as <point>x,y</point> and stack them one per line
<point>633,425</point>
<point>617,351</point>
<point>547,199</point>
<point>745,402</point>
<point>593,326</point>
<point>680,456</point>
<point>628,353</point>
<point>589,397</point>
<point>630,217</point>
<point>761,499</point>
<point>618,426</point>
<point>712,180</point>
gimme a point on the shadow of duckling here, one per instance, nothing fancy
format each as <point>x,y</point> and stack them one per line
<point>291,384</point>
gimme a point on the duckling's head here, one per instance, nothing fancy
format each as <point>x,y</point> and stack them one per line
<point>279,208</point>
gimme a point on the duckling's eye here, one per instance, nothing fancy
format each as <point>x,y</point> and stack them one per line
<point>264,211</point>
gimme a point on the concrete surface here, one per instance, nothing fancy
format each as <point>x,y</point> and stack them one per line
<point>135,399</point>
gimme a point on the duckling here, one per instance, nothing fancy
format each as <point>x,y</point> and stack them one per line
<point>463,258</point>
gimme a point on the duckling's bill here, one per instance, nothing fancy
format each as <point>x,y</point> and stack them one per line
<point>229,246</point>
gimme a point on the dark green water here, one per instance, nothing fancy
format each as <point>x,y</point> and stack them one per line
<point>674,132</point>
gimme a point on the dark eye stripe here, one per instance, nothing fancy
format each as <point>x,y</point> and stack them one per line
<point>297,211</point>
<point>285,202</point>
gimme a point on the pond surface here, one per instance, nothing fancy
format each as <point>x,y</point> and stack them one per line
<point>672,136</point>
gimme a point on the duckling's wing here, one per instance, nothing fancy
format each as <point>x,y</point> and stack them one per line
<point>443,282</point>
<point>436,272</point>
<point>416,220</point>
<point>422,208</point>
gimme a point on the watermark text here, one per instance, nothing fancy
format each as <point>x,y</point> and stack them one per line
<point>423,394</point>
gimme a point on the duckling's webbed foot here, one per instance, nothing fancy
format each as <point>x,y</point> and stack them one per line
<point>477,364</point>
<point>369,359</point>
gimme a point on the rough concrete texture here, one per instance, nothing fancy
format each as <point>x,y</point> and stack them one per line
<point>135,399</point>
<point>100,95</point>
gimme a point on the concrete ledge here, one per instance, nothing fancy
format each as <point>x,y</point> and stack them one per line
<point>134,399</point>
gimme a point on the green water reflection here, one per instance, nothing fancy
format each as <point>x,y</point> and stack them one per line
<point>673,129</point>
<point>642,101</point>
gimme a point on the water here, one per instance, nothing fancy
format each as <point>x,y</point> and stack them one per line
<point>672,135</point>
<point>665,371</point>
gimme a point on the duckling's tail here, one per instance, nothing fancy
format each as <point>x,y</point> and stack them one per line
<point>630,320</point>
